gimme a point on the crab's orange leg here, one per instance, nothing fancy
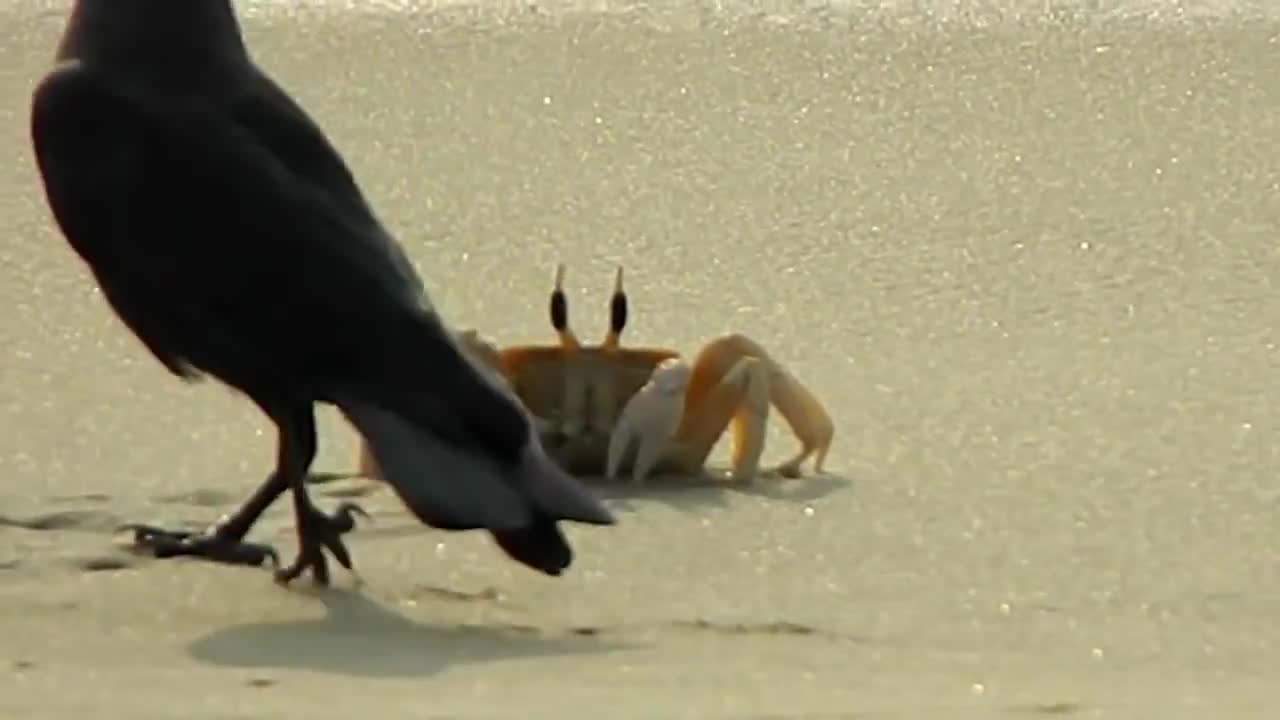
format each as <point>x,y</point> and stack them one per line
<point>727,387</point>
<point>804,414</point>
<point>734,382</point>
<point>807,418</point>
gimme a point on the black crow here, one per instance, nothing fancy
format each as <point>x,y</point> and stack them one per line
<point>231,238</point>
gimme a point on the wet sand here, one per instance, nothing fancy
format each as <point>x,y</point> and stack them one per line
<point>1027,261</point>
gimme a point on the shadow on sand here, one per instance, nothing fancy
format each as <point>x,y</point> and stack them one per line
<point>694,494</point>
<point>684,493</point>
<point>361,637</point>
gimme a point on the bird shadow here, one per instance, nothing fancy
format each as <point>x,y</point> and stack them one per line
<point>361,637</point>
<point>693,494</point>
<point>686,493</point>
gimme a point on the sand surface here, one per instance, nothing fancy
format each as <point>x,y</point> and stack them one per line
<point>1025,252</point>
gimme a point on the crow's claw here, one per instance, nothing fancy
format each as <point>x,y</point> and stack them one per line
<point>211,546</point>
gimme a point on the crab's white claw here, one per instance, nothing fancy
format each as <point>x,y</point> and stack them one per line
<point>619,441</point>
<point>651,418</point>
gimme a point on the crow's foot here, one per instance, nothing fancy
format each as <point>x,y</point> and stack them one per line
<point>216,545</point>
<point>317,532</point>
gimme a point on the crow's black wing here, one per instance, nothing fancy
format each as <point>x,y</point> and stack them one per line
<point>221,257</point>
<point>228,256</point>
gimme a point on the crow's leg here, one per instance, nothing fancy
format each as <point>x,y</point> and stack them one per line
<point>224,541</point>
<point>316,530</point>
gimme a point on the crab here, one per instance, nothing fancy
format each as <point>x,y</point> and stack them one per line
<point>591,403</point>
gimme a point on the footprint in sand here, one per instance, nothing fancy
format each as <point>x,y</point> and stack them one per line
<point>79,520</point>
<point>102,563</point>
<point>85,498</point>
<point>96,521</point>
<point>199,498</point>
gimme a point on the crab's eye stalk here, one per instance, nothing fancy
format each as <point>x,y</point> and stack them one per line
<point>559,303</point>
<point>560,313</point>
<point>618,307</point>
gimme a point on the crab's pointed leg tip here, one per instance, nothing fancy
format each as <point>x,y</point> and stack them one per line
<point>617,280</point>
<point>559,275</point>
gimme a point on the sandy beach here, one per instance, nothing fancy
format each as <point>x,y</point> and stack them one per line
<point>1025,253</point>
